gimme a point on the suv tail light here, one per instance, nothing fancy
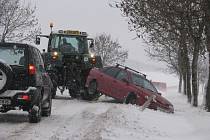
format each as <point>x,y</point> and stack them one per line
<point>32,69</point>
<point>24,97</point>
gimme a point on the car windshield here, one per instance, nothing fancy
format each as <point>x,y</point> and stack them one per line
<point>12,55</point>
<point>70,44</point>
<point>142,82</point>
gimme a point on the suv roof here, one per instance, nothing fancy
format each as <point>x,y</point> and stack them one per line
<point>8,43</point>
<point>5,44</point>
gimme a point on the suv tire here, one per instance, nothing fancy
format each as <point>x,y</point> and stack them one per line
<point>47,111</point>
<point>5,76</point>
<point>35,114</point>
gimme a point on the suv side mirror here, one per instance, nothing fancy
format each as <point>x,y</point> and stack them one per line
<point>37,41</point>
<point>159,93</point>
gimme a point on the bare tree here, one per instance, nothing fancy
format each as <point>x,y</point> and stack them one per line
<point>110,50</point>
<point>17,21</point>
<point>207,31</point>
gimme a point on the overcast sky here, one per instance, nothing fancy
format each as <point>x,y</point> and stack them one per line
<point>92,16</point>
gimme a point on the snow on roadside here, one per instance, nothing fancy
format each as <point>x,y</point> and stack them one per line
<point>128,122</point>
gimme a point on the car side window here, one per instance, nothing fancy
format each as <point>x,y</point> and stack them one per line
<point>122,75</point>
<point>148,85</point>
<point>112,71</point>
<point>36,60</point>
<point>137,80</point>
<point>40,61</point>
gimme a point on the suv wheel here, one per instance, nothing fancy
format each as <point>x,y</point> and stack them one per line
<point>5,76</point>
<point>35,114</point>
<point>47,111</point>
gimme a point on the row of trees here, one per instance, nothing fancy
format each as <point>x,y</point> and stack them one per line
<point>178,33</point>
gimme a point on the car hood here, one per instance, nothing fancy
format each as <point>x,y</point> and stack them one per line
<point>162,100</point>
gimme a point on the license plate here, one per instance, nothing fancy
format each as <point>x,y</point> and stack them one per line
<point>5,102</point>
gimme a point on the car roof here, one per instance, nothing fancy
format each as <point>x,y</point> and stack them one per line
<point>128,70</point>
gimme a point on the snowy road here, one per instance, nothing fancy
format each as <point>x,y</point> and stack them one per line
<point>71,119</point>
<point>108,120</point>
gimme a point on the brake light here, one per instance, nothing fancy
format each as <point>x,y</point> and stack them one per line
<point>24,97</point>
<point>32,69</point>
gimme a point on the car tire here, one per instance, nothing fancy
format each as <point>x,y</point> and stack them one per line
<point>5,76</point>
<point>46,112</point>
<point>130,99</point>
<point>92,93</point>
<point>35,114</point>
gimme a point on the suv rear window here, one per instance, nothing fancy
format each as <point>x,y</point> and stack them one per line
<point>12,55</point>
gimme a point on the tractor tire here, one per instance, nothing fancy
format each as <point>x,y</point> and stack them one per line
<point>72,93</point>
<point>91,92</point>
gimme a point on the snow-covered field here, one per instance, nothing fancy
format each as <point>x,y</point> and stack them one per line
<point>106,119</point>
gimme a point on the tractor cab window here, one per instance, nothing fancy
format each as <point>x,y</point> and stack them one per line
<point>54,42</point>
<point>69,44</point>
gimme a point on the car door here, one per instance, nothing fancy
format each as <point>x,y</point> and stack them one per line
<point>44,76</point>
<point>139,81</point>
<point>108,77</point>
<point>150,90</point>
<point>120,85</point>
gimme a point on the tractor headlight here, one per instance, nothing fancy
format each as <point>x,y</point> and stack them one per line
<point>92,55</point>
<point>55,55</point>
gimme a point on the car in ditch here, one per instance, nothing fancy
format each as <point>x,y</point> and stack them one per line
<point>126,85</point>
<point>24,84</point>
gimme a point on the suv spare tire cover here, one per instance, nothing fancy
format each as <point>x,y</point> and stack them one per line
<point>5,76</point>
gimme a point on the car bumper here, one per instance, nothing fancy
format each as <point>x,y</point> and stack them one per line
<point>17,98</point>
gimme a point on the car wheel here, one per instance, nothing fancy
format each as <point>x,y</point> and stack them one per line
<point>131,99</point>
<point>5,76</point>
<point>35,114</point>
<point>47,112</point>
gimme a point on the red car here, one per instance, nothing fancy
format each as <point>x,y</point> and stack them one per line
<point>126,85</point>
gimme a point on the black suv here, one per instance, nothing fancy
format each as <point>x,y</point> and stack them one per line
<point>24,84</point>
